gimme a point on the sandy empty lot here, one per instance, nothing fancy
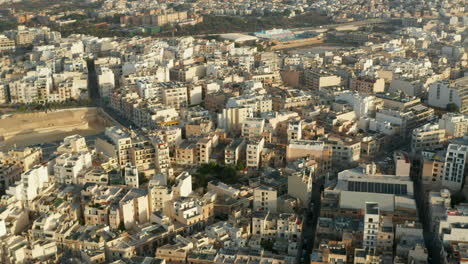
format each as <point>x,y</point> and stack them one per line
<point>40,127</point>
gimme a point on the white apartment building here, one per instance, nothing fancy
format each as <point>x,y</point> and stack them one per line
<point>443,93</point>
<point>253,152</point>
<point>148,89</point>
<point>265,199</point>
<point>252,128</point>
<point>68,166</point>
<point>371,225</point>
<point>155,114</point>
<point>73,144</point>
<point>231,119</point>
<point>183,185</point>
<point>131,176</point>
<point>452,227</point>
<point>268,225</point>
<point>363,105</point>
<point>454,167</point>
<point>455,125</point>
<point>106,81</point>
<point>35,87</point>
<point>32,181</point>
<point>134,208</point>
<point>258,103</point>
<point>194,94</point>
<point>223,189</point>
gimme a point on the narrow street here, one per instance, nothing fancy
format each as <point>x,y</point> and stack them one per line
<point>310,225</point>
<point>430,238</point>
<point>96,99</point>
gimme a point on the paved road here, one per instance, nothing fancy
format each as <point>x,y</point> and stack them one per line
<point>430,237</point>
<point>95,97</point>
<point>310,224</point>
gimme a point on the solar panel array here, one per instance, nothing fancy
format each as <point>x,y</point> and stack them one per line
<point>377,187</point>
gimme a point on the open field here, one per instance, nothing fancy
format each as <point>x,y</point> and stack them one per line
<point>44,127</point>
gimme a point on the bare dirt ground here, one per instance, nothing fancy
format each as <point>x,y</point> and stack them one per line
<point>41,127</point>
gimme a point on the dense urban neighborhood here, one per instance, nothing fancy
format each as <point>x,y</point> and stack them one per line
<point>243,132</point>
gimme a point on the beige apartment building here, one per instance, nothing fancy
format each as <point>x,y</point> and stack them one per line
<point>455,125</point>
<point>204,148</point>
<point>252,127</point>
<point>368,85</point>
<point>186,153</point>
<point>427,137</point>
<point>265,199</point>
<point>317,150</point>
<point>198,128</point>
<point>432,164</point>
<point>253,152</point>
<point>175,96</point>
<point>234,151</point>
<point>6,44</point>
<point>169,18</point>
<point>317,79</point>
<point>96,214</point>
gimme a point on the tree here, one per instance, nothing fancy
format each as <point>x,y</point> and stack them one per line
<point>452,107</point>
<point>121,226</point>
<point>268,245</point>
<point>240,165</point>
<point>457,198</point>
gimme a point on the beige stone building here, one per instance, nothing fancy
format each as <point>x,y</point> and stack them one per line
<point>186,153</point>
<point>317,150</point>
<point>265,199</point>
<point>368,85</point>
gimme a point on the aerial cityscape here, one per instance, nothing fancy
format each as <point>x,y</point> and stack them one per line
<point>242,132</point>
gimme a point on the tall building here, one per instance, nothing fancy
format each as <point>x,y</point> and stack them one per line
<point>371,225</point>
<point>161,156</point>
<point>454,167</point>
<point>254,151</point>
